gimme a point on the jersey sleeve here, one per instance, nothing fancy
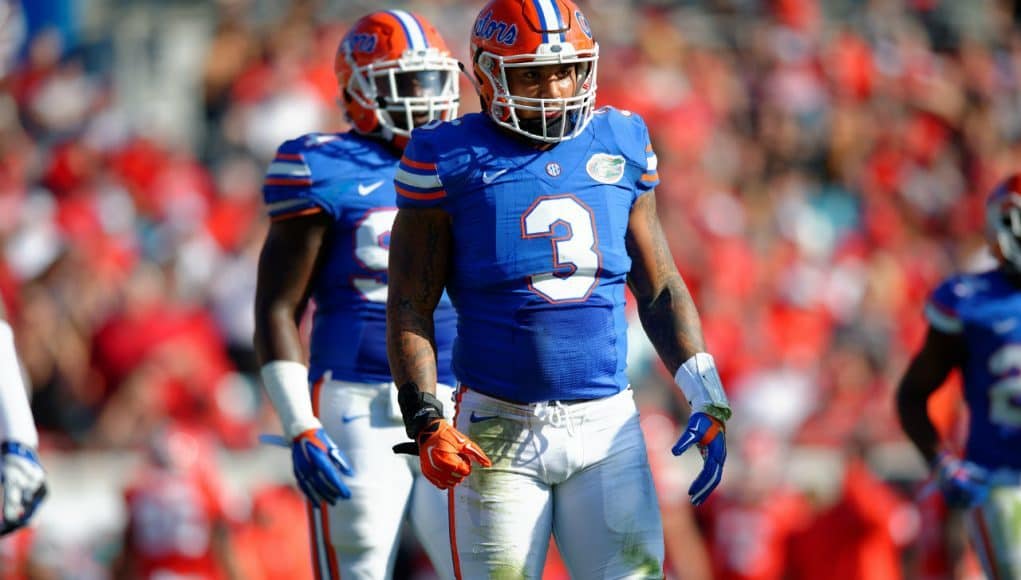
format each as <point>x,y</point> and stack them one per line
<point>417,181</point>
<point>633,141</point>
<point>942,309</point>
<point>646,160</point>
<point>289,189</point>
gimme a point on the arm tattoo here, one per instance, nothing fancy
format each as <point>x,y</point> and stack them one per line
<point>419,257</point>
<point>665,306</point>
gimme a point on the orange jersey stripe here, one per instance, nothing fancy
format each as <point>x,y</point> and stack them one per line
<point>650,177</point>
<point>420,196</point>
<point>289,156</point>
<point>418,164</point>
<point>287,181</point>
<point>306,211</point>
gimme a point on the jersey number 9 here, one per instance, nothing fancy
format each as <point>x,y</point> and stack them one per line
<point>372,251</point>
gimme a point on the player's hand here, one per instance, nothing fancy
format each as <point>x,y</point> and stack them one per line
<point>318,465</point>
<point>446,454</point>
<point>24,483</point>
<point>962,483</point>
<point>707,433</point>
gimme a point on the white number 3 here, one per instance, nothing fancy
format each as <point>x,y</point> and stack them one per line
<point>576,257</point>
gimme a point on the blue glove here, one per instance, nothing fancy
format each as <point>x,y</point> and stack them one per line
<point>24,483</point>
<point>962,483</point>
<point>707,434</point>
<point>318,465</point>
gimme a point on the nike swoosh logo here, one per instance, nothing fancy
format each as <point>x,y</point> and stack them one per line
<point>491,177</point>
<point>348,418</point>
<point>364,190</point>
<point>1004,326</point>
<point>479,418</point>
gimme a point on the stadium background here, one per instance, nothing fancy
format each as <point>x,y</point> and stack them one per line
<point>824,164</point>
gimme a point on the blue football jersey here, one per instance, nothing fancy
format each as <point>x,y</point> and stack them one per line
<point>985,309</point>
<point>539,259</point>
<point>349,177</point>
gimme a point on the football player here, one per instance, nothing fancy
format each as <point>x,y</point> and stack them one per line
<point>534,215</point>
<point>975,326</point>
<point>332,202</point>
<point>22,476</point>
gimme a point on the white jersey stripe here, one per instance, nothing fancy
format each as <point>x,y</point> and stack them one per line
<point>651,163</point>
<point>289,168</point>
<point>416,36</point>
<point>416,180</point>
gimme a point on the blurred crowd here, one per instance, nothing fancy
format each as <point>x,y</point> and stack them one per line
<point>823,164</point>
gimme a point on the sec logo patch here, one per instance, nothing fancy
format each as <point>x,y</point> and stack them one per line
<point>553,169</point>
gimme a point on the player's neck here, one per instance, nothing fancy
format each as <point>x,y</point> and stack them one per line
<point>1011,274</point>
<point>389,144</point>
<point>527,141</point>
<point>520,138</point>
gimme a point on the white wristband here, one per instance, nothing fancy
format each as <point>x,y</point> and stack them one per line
<point>287,386</point>
<point>16,422</point>
<point>700,382</point>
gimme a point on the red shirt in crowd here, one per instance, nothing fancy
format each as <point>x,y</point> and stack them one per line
<point>172,517</point>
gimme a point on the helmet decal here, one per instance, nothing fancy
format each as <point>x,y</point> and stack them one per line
<point>412,29</point>
<point>583,22</point>
<point>549,16</point>
<point>497,30</point>
<point>361,43</point>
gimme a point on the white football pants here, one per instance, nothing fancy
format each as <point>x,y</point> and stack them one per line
<point>578,471</point>
<point>995,527</point>
<point>359,537</point>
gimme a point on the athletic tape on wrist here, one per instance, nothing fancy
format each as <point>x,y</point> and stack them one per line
<point>287,386</point>
<point>16,422</point>
<point>700,382</point>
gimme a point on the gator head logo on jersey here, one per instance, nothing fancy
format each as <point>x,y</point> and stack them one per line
<point>605,168</point>
<point>1003,221</point>
<point>515,34</point>
<point>395,73</point>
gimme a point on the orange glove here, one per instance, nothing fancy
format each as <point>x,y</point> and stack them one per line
<point>446,454</point>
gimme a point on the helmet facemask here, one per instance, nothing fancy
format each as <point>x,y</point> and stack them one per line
<point>1004,219</point>
<point>575,111</point>
<point>408,92</point>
